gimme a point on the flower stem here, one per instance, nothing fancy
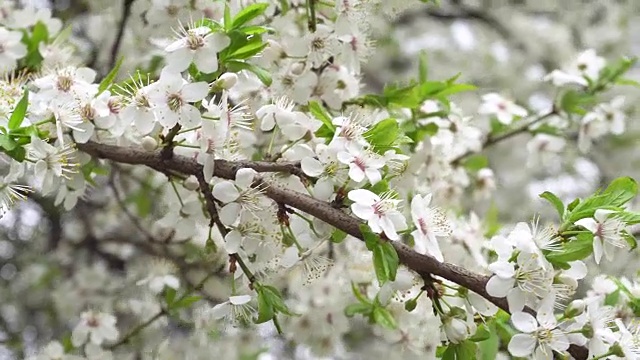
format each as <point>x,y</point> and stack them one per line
<point>311,7</point>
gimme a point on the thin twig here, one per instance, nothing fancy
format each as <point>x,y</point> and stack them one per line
<point>490,141</point>
<point>115,48</point>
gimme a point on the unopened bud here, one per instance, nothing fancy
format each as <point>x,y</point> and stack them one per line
<point>297,68</point>
<point>575,308</point>
<point>191,183</point>
<point>227,81</point>
<point>149,143</point>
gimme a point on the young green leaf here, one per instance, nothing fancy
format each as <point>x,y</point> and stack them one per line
<point>247,14</point>
<point>108,80</point>
<point>577,249</point>
<point>555,201</point>
<point>262,74</point>
<point>383,317</point>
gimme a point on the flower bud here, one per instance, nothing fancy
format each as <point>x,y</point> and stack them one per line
<point>575,308</point>
<point>227,81</point>
<point>149,143</point>
<point>191,183</point>
<point>455,329</point>
<point>410,305</point>
<point>297,68</point>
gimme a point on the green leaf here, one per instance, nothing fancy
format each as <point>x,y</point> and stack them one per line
<point>250,49</point>
<point>382,317</point>
<point>358,294</point>
<point>630,82</point>
<point>383,134</point>
<point>227,17</point>
<point>466,350</point>
<point>572,205</point>
<point>489,347</point>
<point>265,308</point>
<point>108,80</point>
<point>185,302</point>
<point>576,249</point>
<point>358,308</point>
<point>371,240</point>
<point>169,296</point>
<point>39,34</point>
<point>337,236</point>
<point>380,265</point>
<point>380,187</point>
<point>476,162</point>
<point>327,129</point>
<point>67,344</point>
<point>262,74</point>
<point>629,218</point>
<point>18,153</point>
<point>7,142</point>
<point>483,333</point>
<point>611,299</point>
<point>18,114</point>
<point>618,193</point>
<point>630,239</point>
<point>555,201</point>
<point>449,353</point>
<point>576,102</point>
<point>275,298</point>
<point>391,259</point>
<point>247,14</point>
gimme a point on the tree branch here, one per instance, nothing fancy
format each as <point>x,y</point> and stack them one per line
<point>322,210</point>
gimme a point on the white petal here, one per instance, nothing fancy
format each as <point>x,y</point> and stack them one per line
<point>239,299</point>
<point>499,287</point>
<point>312,167</point>
<point>195,91</point>
<point>225,191</point>
<point>597,249</point>
<point>230,213</point>
<point>589,224</point>
<point>290,257</point>
<point>364,197</point>
<point>233,241</point>
<point>516,299</point>
<point>244,177</point>
<point>503,269</point>
<point>524,322</point>
<point>521,345</point>
<point>364,212</point>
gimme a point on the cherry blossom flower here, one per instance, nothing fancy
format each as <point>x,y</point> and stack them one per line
<point>293,124</point>
<point>540,336</point>
<point>12,49</point>
<point>97,327</point>
<point>198,45</point>
<point>431,223</point>
<point>238,196</point>
<point>235,310</point>
<point>587,66</point>
<point>381,213</point>
<point>51,163</point>
<point>172,96</point>
<point>362,163</point>
<point>520,284</point>
<point>504,110</point>
<point>607,230</point>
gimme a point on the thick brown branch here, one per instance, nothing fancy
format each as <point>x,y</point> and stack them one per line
<point>322,210</point>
